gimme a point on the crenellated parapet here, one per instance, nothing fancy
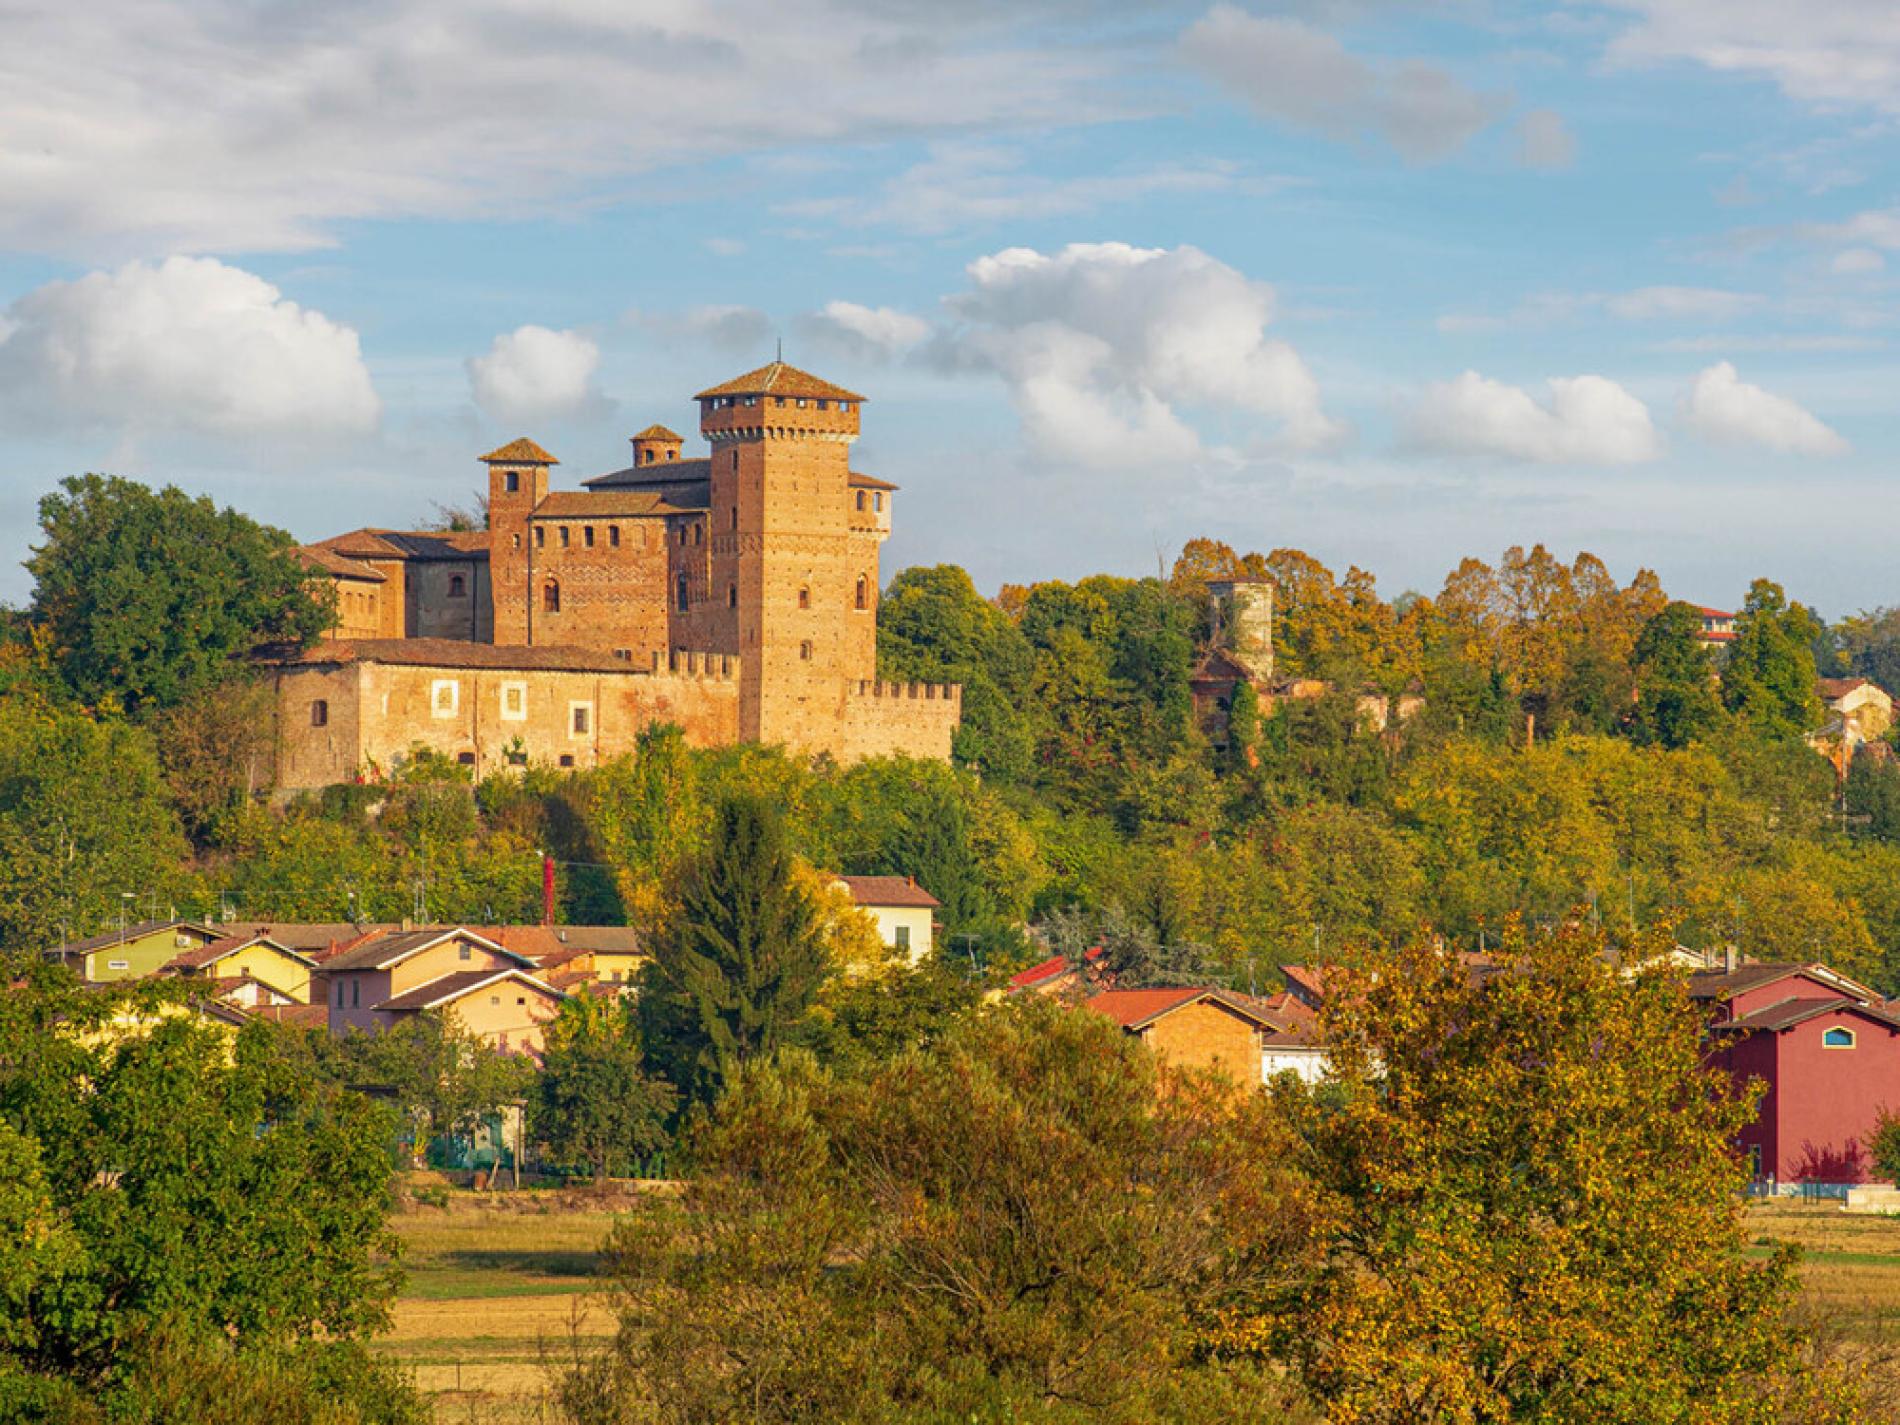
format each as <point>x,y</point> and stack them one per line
<point>691,663</point>
<point>877,688</point>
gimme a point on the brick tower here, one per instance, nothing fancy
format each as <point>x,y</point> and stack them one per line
<point>517,482</point>
<point>793,575</point>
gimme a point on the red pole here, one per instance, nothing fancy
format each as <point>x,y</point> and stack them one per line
<point>547,890</point>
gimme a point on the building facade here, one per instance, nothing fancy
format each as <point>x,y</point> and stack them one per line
<point>735,593</point>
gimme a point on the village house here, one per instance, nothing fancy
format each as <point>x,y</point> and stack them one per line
<point>1718,627</point>
<point>255,958</point>
<point>390,975</point>
<point>1194,1028</point>
<point>902,910</point>
<point>134,951</point>
<point>734,594</point>
<point>1862,708</point>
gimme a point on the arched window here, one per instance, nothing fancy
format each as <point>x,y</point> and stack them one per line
<point>551,597</point>
<point>804,598</point>
<point>864,592</point>
<point>679,591</point>
<point>804,650</point>
<point>1837,1039</point>
<point>860,499</point>
<point>320,713</point>
<point>732,596</point>
<point>457,588</point>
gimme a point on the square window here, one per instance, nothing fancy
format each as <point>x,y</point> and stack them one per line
<point>511,482</point>
<point>319,713</point>
<point>587,536</point>
<point>580,718</point>
<point>445,697</point>
<point>567,759</point>
<point>514,701</point>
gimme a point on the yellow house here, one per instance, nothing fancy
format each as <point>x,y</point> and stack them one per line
<point>133,952</point>
<point>901,908</point>
<point>507,1009</point>
<point>254,957</point>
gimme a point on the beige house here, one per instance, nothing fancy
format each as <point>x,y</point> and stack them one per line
<point>387,975</point>
<point>248,957</point>
<point>901,909</point>
<point>1864,707</point>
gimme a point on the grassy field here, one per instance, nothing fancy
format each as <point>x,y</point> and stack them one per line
<point>494,1282</point>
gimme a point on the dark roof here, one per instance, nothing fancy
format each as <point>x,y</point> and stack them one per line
<point>380,951</point>
<point>657,432</point>
<point>605,504</point>
<point>520,451</point>
<point>330,562</point>
<point>778,379</point>
<point>668,472</point>
<point>136,931</point>
<point>444,988</point>
<point>1137,1009</point>
<point>1786,1013</point>
<point>889,890</point>
<point>455,653</point>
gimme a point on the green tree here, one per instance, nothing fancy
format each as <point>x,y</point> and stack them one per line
<point>1532,1208</point>
<point>594,1102</point>
<point>169,1183</point>
<point>1021,1221</point>
<point>734,975</point>
<point>149,596</point>
<point>1676,697</point>
<point>84,822</point>
<point>444,1079</point>
<point>1769,676</point>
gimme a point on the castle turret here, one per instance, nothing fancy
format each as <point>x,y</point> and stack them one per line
<point>1243,616</point>
<point>656,445</point>
<point>517,482</point>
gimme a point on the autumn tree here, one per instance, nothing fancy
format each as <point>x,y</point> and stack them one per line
<point>1532,1209</point>
<point>151,595</point>
<point>735,971</point>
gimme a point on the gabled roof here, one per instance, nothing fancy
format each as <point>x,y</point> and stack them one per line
<point>380,951</point>
<point>1786,1013</point>
<point>445,989</point>
<point>520,451</point>
<point>1135,1010</point>
<point>1707,612</point>
<point>605,503</point>
<point>657,431</point>
<point>693,470</point>
<point>137,931</point>
<point>1833,689</point>
<point>778,379</point>
<point>209,954</point>
<point>889,890</point>
<point>1725,984</point>
<point>330,562</point>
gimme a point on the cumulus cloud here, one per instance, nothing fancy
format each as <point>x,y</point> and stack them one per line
<point>1727,409</point>
<point>454,108</point>
<point>1824,51</point>
<point>1585,420</point>
<point>186,344</point>
<point>1105,347</point>
<point>1544,140</point>
<point>1291,72</point>
<point>869,333</point>
<point>534,373</point>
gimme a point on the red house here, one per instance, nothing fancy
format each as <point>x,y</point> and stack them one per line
<point>1828,1050</point>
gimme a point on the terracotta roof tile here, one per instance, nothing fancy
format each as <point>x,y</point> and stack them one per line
<point>778,379</point>
<point>445,988</point>
<point>300,1016</point>
<point>455,653</point>
<point>605,504</point>
<point>889,890</point>
<point>691,471</point>
<point>1133,1009</point>
<point>521,451</point>
<point>657,432</point>
<point>860,481</point>
<point>330,562</point>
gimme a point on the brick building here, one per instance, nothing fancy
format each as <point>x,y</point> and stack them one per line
<point>734,593</point>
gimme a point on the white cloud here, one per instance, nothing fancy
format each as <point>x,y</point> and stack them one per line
<point>1586,420</point>
<point>1858,261</point>
<point>1105,346</point>
<point>1544,140</point>
<point>533,373</point>
<point>219,125</point>
<point>1679,303</point>
<point>872,333</point>
<point>1291,72</point>
<point>186,344</point>
<point>1725,408</point>
<point>1825,52</point>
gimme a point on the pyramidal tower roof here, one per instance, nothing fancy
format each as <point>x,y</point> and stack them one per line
<point>521,451</point>
<point>779,379</point>
<point>656,432</point>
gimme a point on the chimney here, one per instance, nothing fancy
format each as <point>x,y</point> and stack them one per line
<point>547,890</point>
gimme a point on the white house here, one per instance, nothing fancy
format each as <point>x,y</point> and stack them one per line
<point>901,908</point>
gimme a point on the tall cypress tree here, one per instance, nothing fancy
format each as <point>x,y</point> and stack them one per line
<point>735,972</point>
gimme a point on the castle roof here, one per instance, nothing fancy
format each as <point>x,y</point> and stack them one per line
<point>671,472</point>
<point>605,504</point>
<point>521,451</point>
<point>778,379</point>
<point>455,653</point>
<point>407,544</point>
<point>861,481</point>
<point>330,562</point>
<point>657,432</point>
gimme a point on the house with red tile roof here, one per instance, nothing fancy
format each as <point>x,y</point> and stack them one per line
<point>903,911</point>
<point>253,956</point>
<point>1193,1027</point>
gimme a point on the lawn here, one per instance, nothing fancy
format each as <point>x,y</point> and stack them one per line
<point>493,1282</point>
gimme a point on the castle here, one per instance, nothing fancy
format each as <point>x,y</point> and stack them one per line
<point>734,594</point>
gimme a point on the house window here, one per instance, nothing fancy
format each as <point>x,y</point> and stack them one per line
<point>845,406</point>
<point>464,951</point>
<point>580,717</point>
<point>511,482</point>
<point>565,536</point>
<point>732,596</point>
<point>903,937</point>
<point>540,537</point>
<point>319,713</point>
<point>466,759</point>
<point>804,650</point>
<point>457,588</point>
<point>567,759</point>
<point>356,994</point>
<point>1837,1039</point>
<point>778,400</point>
<point>521,999</point>
<point>860,499</point>
<point>864,592</point>
<point>494,999</point>
<point>752,400</point>
<point>613,536</point>
<point>804,598</point>
<point>801,403</point>
<point>587,535</point>
<point>877,502</point>
<point>824,405</point>
<point>551,597</point>
<point>679,592</point>
<point>514,701</point>
<point>339,994</point>
<point>445,696</point>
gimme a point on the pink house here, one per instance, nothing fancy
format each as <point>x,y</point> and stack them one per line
<point>1827,1050</point>
<point>387,975</point>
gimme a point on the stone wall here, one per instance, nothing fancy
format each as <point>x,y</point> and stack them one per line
<point>449,598</point>
<point>888,719</point>
<point>609,580</point>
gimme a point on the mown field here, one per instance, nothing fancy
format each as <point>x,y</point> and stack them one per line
<point>497,1285</point>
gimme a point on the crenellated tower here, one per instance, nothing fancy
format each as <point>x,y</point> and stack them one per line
<point>517,483</point>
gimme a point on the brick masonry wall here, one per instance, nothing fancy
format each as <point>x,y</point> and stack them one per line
<point>436,611</point>
<point>508,545</point>
<point>886,719</point>
<point>612,597</point>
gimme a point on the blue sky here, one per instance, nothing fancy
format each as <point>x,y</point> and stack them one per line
<point>1393,284</point>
